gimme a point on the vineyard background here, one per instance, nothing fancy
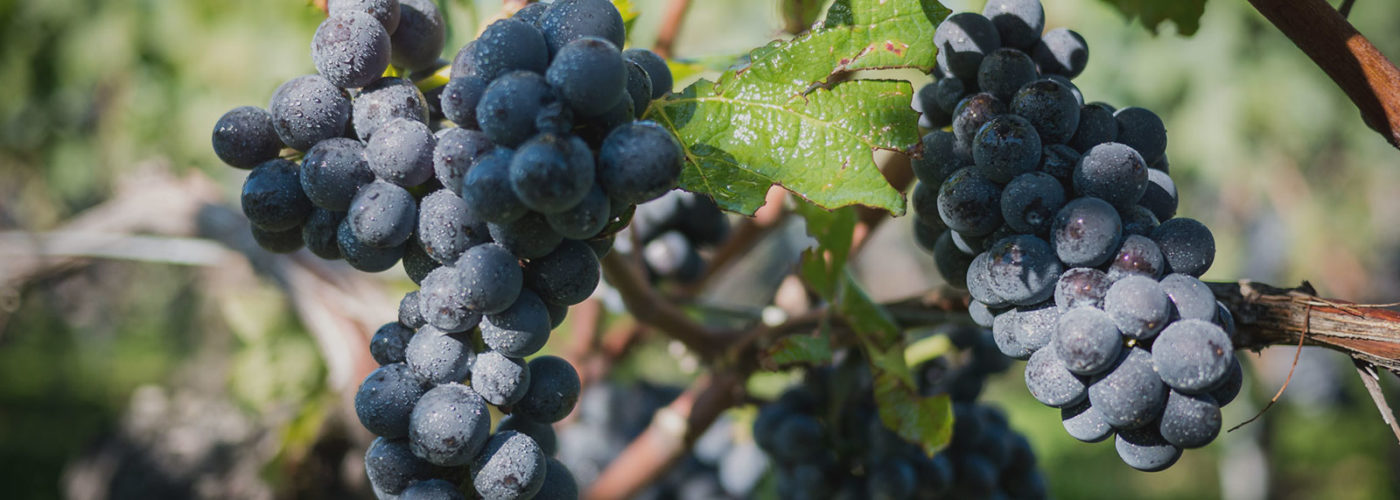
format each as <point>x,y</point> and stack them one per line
<point>101,359</point>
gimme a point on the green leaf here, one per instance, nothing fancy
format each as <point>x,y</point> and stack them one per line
<point>800,349</point>
<point>823,265</point>
<point>926,421</point>
<point>1186,14</point>
<point>791,117</point>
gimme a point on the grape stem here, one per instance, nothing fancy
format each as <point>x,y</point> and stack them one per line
<point>670,27</point>
<point>1371,380</point>
<point>1349,59</point>
<point>649,307</point>
<point>1267,315</point>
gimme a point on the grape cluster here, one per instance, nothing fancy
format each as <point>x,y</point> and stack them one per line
<point>672,230</point>
<point>1059,218</point>
<point>498,195</point>
<point>827,441</point>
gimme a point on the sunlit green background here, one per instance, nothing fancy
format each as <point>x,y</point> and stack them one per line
<point>1263,147</point>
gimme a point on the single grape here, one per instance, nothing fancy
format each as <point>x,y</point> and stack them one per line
<point>1225,319</point>
<point>319,233</point>
<point>1003,71</point>
<point>962,40</point>
<point>459,100</point>
<point>457,150</point>
<point>1021,331</point>
<point>940,158</point>
<point>638,87</point>
<point>487,189</point>
<point>1081,286</point>
<point>447,227</point>
<point>1193,356</point>
<point>639,162</point>
<point>1096,126</point>
<point>1023,269</point>
<point>1130,395</point>
<point>1112,172</point>
<point>1085,423</point>
<point>1061,51</point>
<point>947,93</point>
<point>410,315</point>
<point>970,203</point>
<point>1018,22</point>
<point>464,62</point>
<point>284,241</point>
<point>501,380</point>
<point>559,483</point>
<point>1005,147</point>
<point>421,35</point>
<point>272,198</point>
<point>520,330</point>
<point>1086,232</point>
<point>1138,255</point>
<point>1139,306</point>
<point>554,390</point>
<point>440,357</point>
<point>973,112</point>
<point>245,137</point>
<point>391,466</point>
<point>509,45</point>
<point>1087,341</point>
<point>656,68</point>
<point>333,171</point>
<point>1192,298</point>
<point>569,20</point>
<point>528,237</point>
<point>507,110</point>
<point>432,489</point>
<point>1030,201</point>
<point>1050,107</point>
<point>1190,421</point>
<point>589,74</point>
<point>350,49</point>
<point>386,100</point>
<point>566,276</point>
<point>979,282</point>
<point>382,215</point>
<point>557,313</point>
<point>586,218</point>
<point>1050,381</point>
<point>531,13</point>
<point>1143,131</point>
<point>444,303</point>
<point>1188,245</point>
<point>385,399</point>
<point>389,341</point>
<point>450,425</point>
<point>672,256</point>
<point>489,277</point>
<point>1145,449</point>
<point>402,152</point>
<point>545,178</point>
<point>364,257</point>
<point>891,478</point>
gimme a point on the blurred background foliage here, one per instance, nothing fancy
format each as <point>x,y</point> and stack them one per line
<point>1264,149</point>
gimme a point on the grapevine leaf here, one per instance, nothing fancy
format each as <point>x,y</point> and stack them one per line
<point>923,420</point>
<point>833,230</point>
<point>1186,14</point>
<point>800,349</point>
<point>792,117</point>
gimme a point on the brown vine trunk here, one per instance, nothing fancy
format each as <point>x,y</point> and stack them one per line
<point>1267,315</point>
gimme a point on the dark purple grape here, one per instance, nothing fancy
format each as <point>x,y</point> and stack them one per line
<point>1030,201</point>
<point>386,100</point>
<point>386,11</point>
<point>443,301</point>
<point>386,398</point>
<point>1059,161</point>
<point>1005,70</point>
<point>1160,196</point>
<point>487,188</point>
<point>402,153</point>
<point>1143,131</point>
<point>1061,51</point>
<point>284,241</point>
<point>947,93</point>
<point>1018,22</point>
<point>501,380</point>
<point>656,68</point>
<point>1050,107</point>
<point>456,152</point>
<point>1138,220</point>
<point>1130,395</point>
<point>1112,172</point>
<point>1086,232</point>
<point>952,263</point>
<point>350,49</point>
<point>364,257</point>
<point>1005,147</point>
<point>318,233</point>
<point>970,203</point>
<point>962,40</point>
<point>509,45</point>
<point>940,158</point>
<point>1192,298</point>
<point>333,171</point>
<point>508,108</point>
<point>1193,356</point>
<point>1023,269</point>
<point>421,35</point>
<point>973,112</point>
<point>1188,245</point>
<point>1085,423</point>
<point>490,277</point>
<point>272,198</point>
<point>447,226</point>
<point>1139,306</point>
<point>389,341</point>
<point>1138,255</point>
<point>440,357</point>
<point>1190,421</point>
<point>1096,126</point>
<point>1145,449</point>
<point>1087,341</point>
<point>450,425</point>
<point>1081,286</point>
<point>568,20</point>
<point>459,99</point>
<point>589,74</point>
<point>245,137</point>
<point>1050,382</point>
<point>1229,388</point>
<point>545,179</point>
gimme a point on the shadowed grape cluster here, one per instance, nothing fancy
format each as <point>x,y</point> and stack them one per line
<point>498,192</point>
<point>827,440</point>
<point>1059,218</point>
